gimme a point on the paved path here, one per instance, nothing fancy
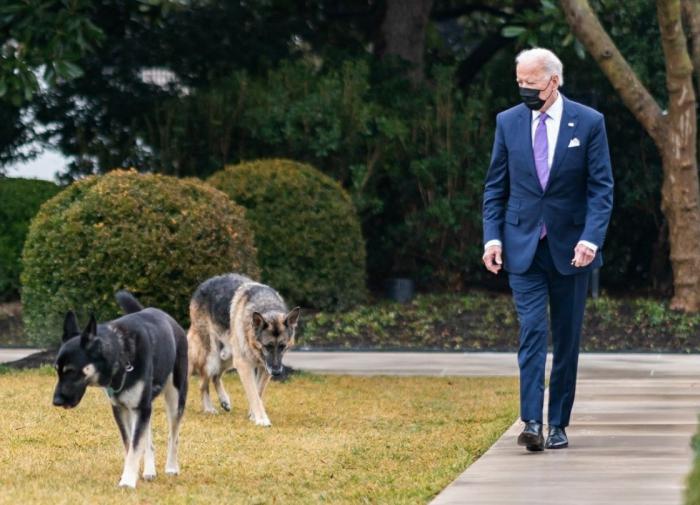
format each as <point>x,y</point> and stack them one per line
<point>633,419</point>
<point>13,354</point>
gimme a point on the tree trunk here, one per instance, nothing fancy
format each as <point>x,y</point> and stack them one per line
<point>680,193</point>
<point>691,15</point>
<point>402,33</point>
<point>674,132</point>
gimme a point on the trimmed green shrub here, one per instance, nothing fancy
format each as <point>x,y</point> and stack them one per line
<point>156,236</point>
<point>19,201</point>
<point>310,245</point>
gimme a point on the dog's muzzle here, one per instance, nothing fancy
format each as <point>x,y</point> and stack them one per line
<point>60,401</point>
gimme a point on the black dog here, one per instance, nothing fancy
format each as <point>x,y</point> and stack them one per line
<point>134,358</point>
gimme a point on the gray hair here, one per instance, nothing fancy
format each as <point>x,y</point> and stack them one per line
<point>549,61</point>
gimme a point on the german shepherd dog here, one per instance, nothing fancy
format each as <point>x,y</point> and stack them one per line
<point>134,358</point>
<point>233,315</point>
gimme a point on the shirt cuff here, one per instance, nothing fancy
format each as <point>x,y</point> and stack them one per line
<point>492,242</point>
<point>588,244</point>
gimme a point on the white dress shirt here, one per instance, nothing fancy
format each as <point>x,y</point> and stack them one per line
<point>553,122</point>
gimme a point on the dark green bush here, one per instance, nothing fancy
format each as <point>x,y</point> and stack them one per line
<point>308,236</point>
<point>157,236</point>
<point>19,201</point>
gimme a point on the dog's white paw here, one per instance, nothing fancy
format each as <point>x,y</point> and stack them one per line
<point>149,476</point>
<point>172,471</point>
<point>210,410</point>
<point>129,483</point>
<point>262,422</point>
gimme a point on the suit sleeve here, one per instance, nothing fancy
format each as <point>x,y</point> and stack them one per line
<point>496,188</point>
<point>600,186</point>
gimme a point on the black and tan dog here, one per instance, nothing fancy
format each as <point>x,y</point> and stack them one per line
<point>134,358</point>
<point>232,315</point>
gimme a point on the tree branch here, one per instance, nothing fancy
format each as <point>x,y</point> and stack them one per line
<point>691,14</point>
<point>481,55</point>
<point>587,28</point>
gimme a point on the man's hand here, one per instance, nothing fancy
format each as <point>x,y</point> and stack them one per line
<point>492,259</point>
<point>582,256</point>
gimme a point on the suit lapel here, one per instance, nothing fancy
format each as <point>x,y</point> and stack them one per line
<point>525,134</point>
<point>567,129</point>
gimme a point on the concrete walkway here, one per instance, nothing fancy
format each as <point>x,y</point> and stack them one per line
<point>13,354</point>
<point>633,419</point>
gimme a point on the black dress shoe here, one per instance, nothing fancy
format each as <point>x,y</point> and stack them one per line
<point>557,438</point>
<point>532,437</point>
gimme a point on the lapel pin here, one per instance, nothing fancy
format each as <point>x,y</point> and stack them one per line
<point>571,124</point>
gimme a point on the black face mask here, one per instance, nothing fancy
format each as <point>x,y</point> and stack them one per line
<point>531,97</point>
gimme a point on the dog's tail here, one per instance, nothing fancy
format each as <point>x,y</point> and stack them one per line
<point>128,302</point>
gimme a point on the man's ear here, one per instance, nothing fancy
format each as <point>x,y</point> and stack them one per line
<point>292,318</point>
<point>259,322</point>
<point>90,331</point>
<point>70,326</point>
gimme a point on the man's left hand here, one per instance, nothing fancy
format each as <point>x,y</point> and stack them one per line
<point>582,256</point>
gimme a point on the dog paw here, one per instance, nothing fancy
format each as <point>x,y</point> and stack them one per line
<point>149,476</point>
<point>262,422</point>
<point>127,483</point>
<point>226,406</point>
<point>172,471</point>
<point>210,410</point>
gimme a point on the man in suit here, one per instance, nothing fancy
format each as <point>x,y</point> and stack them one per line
<point>547,203</point>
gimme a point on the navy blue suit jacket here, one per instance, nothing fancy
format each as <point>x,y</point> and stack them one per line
<point>576,203</point>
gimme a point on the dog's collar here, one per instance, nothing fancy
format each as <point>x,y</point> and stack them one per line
<point>111,392</point>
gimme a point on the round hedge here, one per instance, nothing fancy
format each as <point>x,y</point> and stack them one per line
<point>154,235</point>
<point>310,245</point>
<point>19,201</point>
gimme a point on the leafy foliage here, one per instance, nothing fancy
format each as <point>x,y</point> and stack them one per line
<point>154,235</point>
<point>481,321</point>
<point>19,201</point>
<point>48,34</point>
<point>310,246</point>
<point>300,80</point>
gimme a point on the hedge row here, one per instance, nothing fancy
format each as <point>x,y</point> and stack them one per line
<point>310,245</point>
<point>154,235</point>
<point>159,237</point>
<point>19,201</point>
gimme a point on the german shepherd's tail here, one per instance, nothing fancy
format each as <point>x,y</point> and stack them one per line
<point>128,302</point>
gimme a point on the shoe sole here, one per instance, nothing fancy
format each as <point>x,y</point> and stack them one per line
<point>532,442</point>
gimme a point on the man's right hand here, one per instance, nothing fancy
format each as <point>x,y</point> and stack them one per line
<point>492,259</point>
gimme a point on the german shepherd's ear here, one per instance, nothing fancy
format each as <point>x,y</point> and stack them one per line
<point>292,318</point>
<point>259,322</point>
<point>89,332</point>
<point>70,326</point>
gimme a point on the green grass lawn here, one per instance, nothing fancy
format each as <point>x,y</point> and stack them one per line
<point>334,439</point>
<point>692,491</point>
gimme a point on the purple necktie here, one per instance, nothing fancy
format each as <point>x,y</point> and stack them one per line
<point>541,151</point>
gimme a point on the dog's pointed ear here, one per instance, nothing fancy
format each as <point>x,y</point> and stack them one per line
<point>89,332</point>
<point>259,322</point>
<point>292,318</point>
<point>70,326</point>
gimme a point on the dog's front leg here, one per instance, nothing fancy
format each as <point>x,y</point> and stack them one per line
<point>257,411</point>
<point>263,379</point>
<point>133,456</point>
<point>149,457</point>
<point>124,423</point>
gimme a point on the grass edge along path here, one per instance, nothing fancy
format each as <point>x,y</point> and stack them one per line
<point>334,439</point>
